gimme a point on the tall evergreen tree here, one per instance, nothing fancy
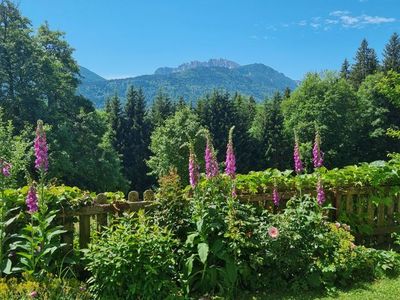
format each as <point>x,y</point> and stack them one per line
<point>115,122</point>
<point>136,140</point>
<point>268,130</point>
<point>161,109</point>
<point>345,69</point>
<point>391,54</point>
<point>366,63</point>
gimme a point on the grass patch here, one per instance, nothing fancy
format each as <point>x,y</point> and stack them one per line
<point>387,288</point>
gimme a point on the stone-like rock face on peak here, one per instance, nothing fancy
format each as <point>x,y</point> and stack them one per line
<point>222,63</point>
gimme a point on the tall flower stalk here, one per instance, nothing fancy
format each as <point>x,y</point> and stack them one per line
<point>230,162</point>
<point>212,168</point>
<point>320,192</point>
<point>193,167</point>
<point>298,164</point>
<point>275,196</point>
<point>318,159</point>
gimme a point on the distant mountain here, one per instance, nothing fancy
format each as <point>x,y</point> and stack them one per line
<point>192,81</point>
<point>88,76</point>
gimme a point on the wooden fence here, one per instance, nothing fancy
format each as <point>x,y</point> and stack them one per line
<point>355,204</point>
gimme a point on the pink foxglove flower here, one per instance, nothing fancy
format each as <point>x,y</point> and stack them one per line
<point>298,165</point>
<point>5,168</point>
<point>212,169</point>
<point>317,154</point>
<point>193,169</point>
<point>273,232</point>
<point>230,163</point>
<point>275,196</point>
<point>40,145</point>
<point>32,200</point>
<point>33,294</point>
<point>320,192</point>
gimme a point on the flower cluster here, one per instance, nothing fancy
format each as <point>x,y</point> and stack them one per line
<point>275,196</point>
<point>32,200</point>
<point>273,232</point>
<point>193,169</point>
<point>298,165</point>
<point>320,192</point>
<point>317,154</point>
<point>40,145</point>
<point>230,163</point>
<point>5,167</point>
<point>210,159</point>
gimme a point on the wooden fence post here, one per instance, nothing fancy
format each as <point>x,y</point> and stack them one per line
<point>68,237</point>
<point>101,218</point>
<point>84,231</point>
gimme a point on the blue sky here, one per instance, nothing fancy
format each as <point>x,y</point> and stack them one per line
<point>122,38</point>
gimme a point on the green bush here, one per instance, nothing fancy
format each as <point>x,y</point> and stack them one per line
<point>311,253</point>
<point>133,259</point>
<point>48,288</point>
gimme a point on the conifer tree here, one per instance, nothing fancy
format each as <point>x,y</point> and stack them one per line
<point>115,122</point>
<point>345,70</point>
<point>161,109</point>
<point>366,63</point>
<point>391,54</point>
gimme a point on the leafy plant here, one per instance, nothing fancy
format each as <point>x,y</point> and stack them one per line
<point>133,259</point>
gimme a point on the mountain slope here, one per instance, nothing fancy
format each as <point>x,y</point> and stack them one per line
<point>88,76</point>
<point>193,81</point>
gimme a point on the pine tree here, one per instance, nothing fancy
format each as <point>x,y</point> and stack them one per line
<point>286,93</point>
<point>115,122</point>
<point>391,54</point>
<point>161,109</point>
<point>345,70</point>
<point>136,140</point>
<point>366,63</point>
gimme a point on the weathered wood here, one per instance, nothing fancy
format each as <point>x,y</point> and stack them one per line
<point>381,215</point>
<point>371,212</point>
<point>390,211</point>
<point>68,237</point>
<point>133,196</point>
<point>101,218</point>
<point>349,203</point>
<point>360,204</point>
<point>148,195</point>
<point>84,231</point>
<point>337,203</point>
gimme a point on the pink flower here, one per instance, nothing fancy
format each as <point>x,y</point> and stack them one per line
<point>193,169</point>
<point>352,246</point>
<point>298,165</point>
<point>32,200</point>
<point>337,224</point>
<point>40,145</point>
<point>212,169</point>
<point>273,232</point>
<point>317,154</point>
<point>230,163</point>
<point>275,196</point>
<point>33,294</point>
<point>320,192</point>
<point>5,168</point>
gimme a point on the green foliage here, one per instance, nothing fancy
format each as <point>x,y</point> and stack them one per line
<point>391,54</point>
<point>221,250</point>
<point>49,287</point>
<point>133,259</point>
<point>167,144</point>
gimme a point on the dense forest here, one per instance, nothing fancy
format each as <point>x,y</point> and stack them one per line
<point>128,146</point>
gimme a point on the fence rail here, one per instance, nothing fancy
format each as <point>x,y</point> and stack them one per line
<point>355,204</point>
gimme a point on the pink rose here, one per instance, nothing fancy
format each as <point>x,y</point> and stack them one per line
<point>33,294</point>
<point>273,232</point>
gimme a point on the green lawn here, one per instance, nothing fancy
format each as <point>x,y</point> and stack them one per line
<point>384,289</point>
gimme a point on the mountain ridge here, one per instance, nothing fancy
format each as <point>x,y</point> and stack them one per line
<point>192,81</point>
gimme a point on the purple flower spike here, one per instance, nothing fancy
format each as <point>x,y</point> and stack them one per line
<point>193,169</point>
<point>40,145</point>
<point>230,163</point>
<point>32,200</point>
<point>211,161</point>
<point>5,168</point>
<point>275,196</point>
<point>298,165</point>
<point>320,192</point>
<point>317,154</point>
